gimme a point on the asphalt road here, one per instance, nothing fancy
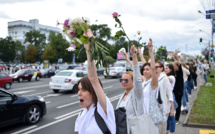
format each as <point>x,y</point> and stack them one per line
<point>62,107</point>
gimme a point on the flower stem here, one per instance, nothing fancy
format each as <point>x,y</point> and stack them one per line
<point>126,34</point>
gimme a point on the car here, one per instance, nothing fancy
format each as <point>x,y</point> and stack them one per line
<point>5,81</point>
<point>66,67</point>
<point>81,68</point>
<point>100,71</point>
<point>26,74</point>
<point>66,80</point>
<point>123,63</point>
<point>47,72</point>
<point>15,108</point>
<point>115,72</point>
<point>72,66</point>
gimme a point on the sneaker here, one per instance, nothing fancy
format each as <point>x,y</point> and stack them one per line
<point>195,87</point>
<point>177,122</point>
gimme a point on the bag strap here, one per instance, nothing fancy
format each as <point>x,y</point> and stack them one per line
<point>100,122</point>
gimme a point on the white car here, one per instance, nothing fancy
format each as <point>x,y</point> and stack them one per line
<point>66,80</point>
<point>115,72</point>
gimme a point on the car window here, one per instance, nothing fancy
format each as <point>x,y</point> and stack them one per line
<point>28,71</point>
<point>119,69</point>
<point>3,76</point>
<point>79,74</point>
<point>85,74</point>
<point>64,74</point>
<point>20,72</point>
<point>4,96</point>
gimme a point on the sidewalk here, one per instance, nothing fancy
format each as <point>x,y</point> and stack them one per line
<point>180,129</point>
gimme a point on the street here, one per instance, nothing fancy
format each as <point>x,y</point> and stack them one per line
<point>62,107</point>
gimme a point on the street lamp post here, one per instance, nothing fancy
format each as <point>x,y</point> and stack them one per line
<point>208,44</point>
<point>211,37</point>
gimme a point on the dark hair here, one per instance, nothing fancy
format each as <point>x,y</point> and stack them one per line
<point>142,68</point>
<point>171,67</point>
<point>160,64</point>
<point>86,84</point>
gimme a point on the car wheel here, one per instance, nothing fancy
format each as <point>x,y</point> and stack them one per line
<point>29,79</point>
<point>7,86</point>
<point>74,89</point>
<point>20,80</point>
<point>37,78</point>
<point>55,90</point>
<point>33,114</point>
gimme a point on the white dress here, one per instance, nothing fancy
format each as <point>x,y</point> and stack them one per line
<point>86,123</point>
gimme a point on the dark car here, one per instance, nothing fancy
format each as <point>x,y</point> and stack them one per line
<point>100,71</point>
<point>72,67</point>
<point>5,81</point>
<point>16,108</point>
<point>26,74</point>
<point>48,72</point>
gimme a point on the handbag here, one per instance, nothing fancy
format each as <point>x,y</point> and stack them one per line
<point>141,123</point>
<point>120,117</point>
<point>157,108</point>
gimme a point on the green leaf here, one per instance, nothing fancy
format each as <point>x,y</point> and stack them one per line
<point>79,31</point>
<point>115,25</point>
<point>120,33</point>
<point>84,26</point>
<point>116,37</point>
<point>84,39</point>
<point>77,43</point>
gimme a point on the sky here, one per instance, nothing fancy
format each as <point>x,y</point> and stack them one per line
<point>171,23</point>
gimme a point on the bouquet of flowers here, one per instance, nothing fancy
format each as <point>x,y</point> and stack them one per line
<point>74,29</point>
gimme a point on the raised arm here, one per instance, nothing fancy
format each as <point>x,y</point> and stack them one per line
<point>128,60</point>
<point>141,56</point>
<point>92,75</point>
<point>154,81</point>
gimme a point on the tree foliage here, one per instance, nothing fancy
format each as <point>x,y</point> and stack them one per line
<point>161,53</point>
<point>49,54</point>
<point>31,54</point>
<point>7,49</point>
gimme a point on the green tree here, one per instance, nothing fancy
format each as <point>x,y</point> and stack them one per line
<point>161,53</point>
<point>31,54</point>
<point>20,51</point>
<point>49,54</point>
<point>7,49</point>
<point>59,44</point>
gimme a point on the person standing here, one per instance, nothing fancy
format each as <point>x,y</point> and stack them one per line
<point>93,99</point>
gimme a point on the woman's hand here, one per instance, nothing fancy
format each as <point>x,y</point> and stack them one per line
<point>150,45</point>
<point>133,50</point>
<point>172,112</point>
<point>89,35</point>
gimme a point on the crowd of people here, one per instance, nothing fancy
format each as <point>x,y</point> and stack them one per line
<point>156,90</point>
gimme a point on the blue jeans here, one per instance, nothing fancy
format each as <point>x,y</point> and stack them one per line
<point>205,77</point>
<point>185,97</point>
<point>189,86</point>
<point>171,124</point>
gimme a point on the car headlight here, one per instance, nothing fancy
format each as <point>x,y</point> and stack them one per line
<point>41,98</point>
<point>15,76</point>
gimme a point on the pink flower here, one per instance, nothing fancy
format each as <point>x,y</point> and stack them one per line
<point>73,46</point>
<point>73,33</point>
<point>115,14</point>
<point>66,23</point>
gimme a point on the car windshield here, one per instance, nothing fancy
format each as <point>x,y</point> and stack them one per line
<point>77,68</point>
<point>44,70</point>
<point>119,65</point>
<point>20,72</point>
<point>64,74</point>
<point>113,68</point>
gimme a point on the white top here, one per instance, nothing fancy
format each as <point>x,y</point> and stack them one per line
<point>123,102</point>
<point>146,95</point>
<point>86,123</point>
<point>173,81</point>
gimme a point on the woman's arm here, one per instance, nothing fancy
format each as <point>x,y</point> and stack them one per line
<point>154,81</point>
<point>92,75</point>
<point>141,56</point>
<point>128,60</point>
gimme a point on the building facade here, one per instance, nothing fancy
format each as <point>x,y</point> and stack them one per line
<point>17,29</point>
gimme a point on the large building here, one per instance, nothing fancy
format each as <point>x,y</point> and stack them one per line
<point>17,29</point>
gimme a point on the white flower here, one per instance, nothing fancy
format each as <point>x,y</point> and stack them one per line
<point>122,50</point>
<point>70,49</point>
<point>142,49</point>
<point>87,20</point>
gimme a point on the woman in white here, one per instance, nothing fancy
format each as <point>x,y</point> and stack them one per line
<point>166,94</point>
<point>92,96</point>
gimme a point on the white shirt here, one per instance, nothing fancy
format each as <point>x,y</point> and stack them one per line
<point>86,123</point>
<point>146,95</point>
<point>173,81</point>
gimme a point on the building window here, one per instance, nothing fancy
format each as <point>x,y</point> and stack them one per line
<point>15,32</point>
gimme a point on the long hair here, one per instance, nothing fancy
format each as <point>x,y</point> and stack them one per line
<point>172,72</point>
<point>142,68</point>
<point>86,84</point>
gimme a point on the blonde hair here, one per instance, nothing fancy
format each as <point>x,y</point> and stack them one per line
<point>129,73</point>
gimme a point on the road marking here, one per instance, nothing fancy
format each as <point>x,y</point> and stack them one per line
<point>65,118</point>
<point>68,104</point>
<point>22,92</point>
<point>24,129</point>
<point>50,95</point>
<point>68,114</point>
<point>31,87</point>
<point>74,95</point>
<point>42,93</point>
<point>47,102</point>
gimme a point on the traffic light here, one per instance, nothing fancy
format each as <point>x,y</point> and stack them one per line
<point>212,56</point>
<point>200,41</point>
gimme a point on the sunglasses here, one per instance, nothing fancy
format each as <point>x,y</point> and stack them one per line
<point>157,67</point>
<point>121,80</point>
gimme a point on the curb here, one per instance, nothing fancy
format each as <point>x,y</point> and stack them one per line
<point>195,125</point>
